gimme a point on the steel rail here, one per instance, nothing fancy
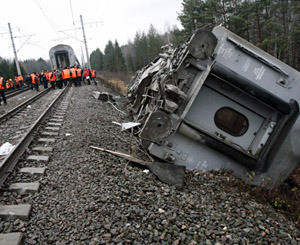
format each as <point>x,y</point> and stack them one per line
<point>10,161</point>
<point>13,93</point>
<point>23,105</point>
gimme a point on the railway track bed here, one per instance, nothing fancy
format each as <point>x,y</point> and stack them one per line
<point>85,197</point>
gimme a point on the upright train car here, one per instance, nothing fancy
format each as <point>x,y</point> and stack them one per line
<point>62,56</point>
<point>218,101</point>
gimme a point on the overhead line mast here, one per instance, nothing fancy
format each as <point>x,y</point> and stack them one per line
<point>85,43</point>
<point>15,52</point>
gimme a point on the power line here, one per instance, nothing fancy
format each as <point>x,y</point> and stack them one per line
<point>47,18</point>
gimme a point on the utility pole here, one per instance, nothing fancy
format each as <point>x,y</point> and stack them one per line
<point>86,48</point>
<point>15,52</point>
<point>82,58</point>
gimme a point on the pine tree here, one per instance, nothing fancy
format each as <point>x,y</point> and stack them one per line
<point>96,59</point>
<point>109,56</point>
<point>118,57</point>
<point>155,42</point>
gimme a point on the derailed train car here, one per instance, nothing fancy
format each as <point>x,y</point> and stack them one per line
<point>62,56</point>
<point>218,101</point>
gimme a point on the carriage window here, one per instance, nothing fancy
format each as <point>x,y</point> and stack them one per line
<point>231,121</point>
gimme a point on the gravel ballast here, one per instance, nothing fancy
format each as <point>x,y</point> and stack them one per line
<point>90,197</point>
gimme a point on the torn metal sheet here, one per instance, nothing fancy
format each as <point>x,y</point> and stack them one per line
<point>217,101</point>
<point>127,125</point>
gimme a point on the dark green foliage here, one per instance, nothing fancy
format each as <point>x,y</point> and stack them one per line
<point>144,48</point>
<point>33,65</point>
<point>96,59</point>
<point>113,59</point>
<point>8,69</point>
<point>273,25</point>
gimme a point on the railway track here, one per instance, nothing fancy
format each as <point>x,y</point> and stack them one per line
<point>20,126</point>
<point>13,93</point>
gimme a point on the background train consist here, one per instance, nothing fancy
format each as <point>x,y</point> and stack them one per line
<point>62,56</point>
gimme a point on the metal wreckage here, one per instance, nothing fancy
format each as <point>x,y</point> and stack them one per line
<point>217,101</point>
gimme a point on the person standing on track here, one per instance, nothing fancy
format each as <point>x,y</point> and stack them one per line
<point>43,79</point>
<point>21,80</point>
<point>87,75</point>
<point>59,82</point>
<point>28,81</point>
<point>52,79</point>
<point>79,74</point>
<point>93,75</point>
<point>35,81</point>
<point>66,76</point>
<point>73,75</point>
<point>2,90</point>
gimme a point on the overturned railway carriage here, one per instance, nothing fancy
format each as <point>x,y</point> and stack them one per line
<point>62,56</point>
<point>217,101</point>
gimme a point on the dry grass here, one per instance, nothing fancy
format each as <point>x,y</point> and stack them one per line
<point>115,81</point>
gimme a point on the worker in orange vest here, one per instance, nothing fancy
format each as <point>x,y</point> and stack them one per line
<point>2,90</point>
<point>11,84</point>
<point>52,78</point>
<point>66,75</point>
<point>17,82</point>
<point>79,76</point>
<point>21,80</point>
<point>35,81</point>
<point>93,75</point>
<point>73,76</point>
<point>7,85</point>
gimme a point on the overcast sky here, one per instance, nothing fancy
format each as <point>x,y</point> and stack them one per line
<point>118,19</point>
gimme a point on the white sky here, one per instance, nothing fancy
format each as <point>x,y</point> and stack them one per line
<point>121,19</point>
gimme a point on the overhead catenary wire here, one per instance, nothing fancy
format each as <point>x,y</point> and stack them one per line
<point>72,18</point>
<point>50,22</point>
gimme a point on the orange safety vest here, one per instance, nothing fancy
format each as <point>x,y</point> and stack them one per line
<point>79,72</point>
<point>66,74</point>
<point>21,78</point>
<point>7,84</point>
<point>53,78</point>
<point>2,84</point>
<point>17,80</point>
<point>47,74</point>
<point>73,71</point>
<point>33,78</point>
<point>93,73</point>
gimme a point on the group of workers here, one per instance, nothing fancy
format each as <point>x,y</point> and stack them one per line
<point>57,78</point>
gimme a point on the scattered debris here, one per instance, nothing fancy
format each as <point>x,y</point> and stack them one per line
<point>103,96</point>
<point>166,172</point>
<point>116,108</point>
<point>126,126</point>
<point>6,148</point>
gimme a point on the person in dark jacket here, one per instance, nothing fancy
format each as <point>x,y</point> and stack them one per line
<point>2,90</point>
<point>28,81</point>
<point>43,79</point>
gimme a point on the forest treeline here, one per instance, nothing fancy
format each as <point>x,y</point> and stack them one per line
<point>273,25</point>
<point>8,68</point>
